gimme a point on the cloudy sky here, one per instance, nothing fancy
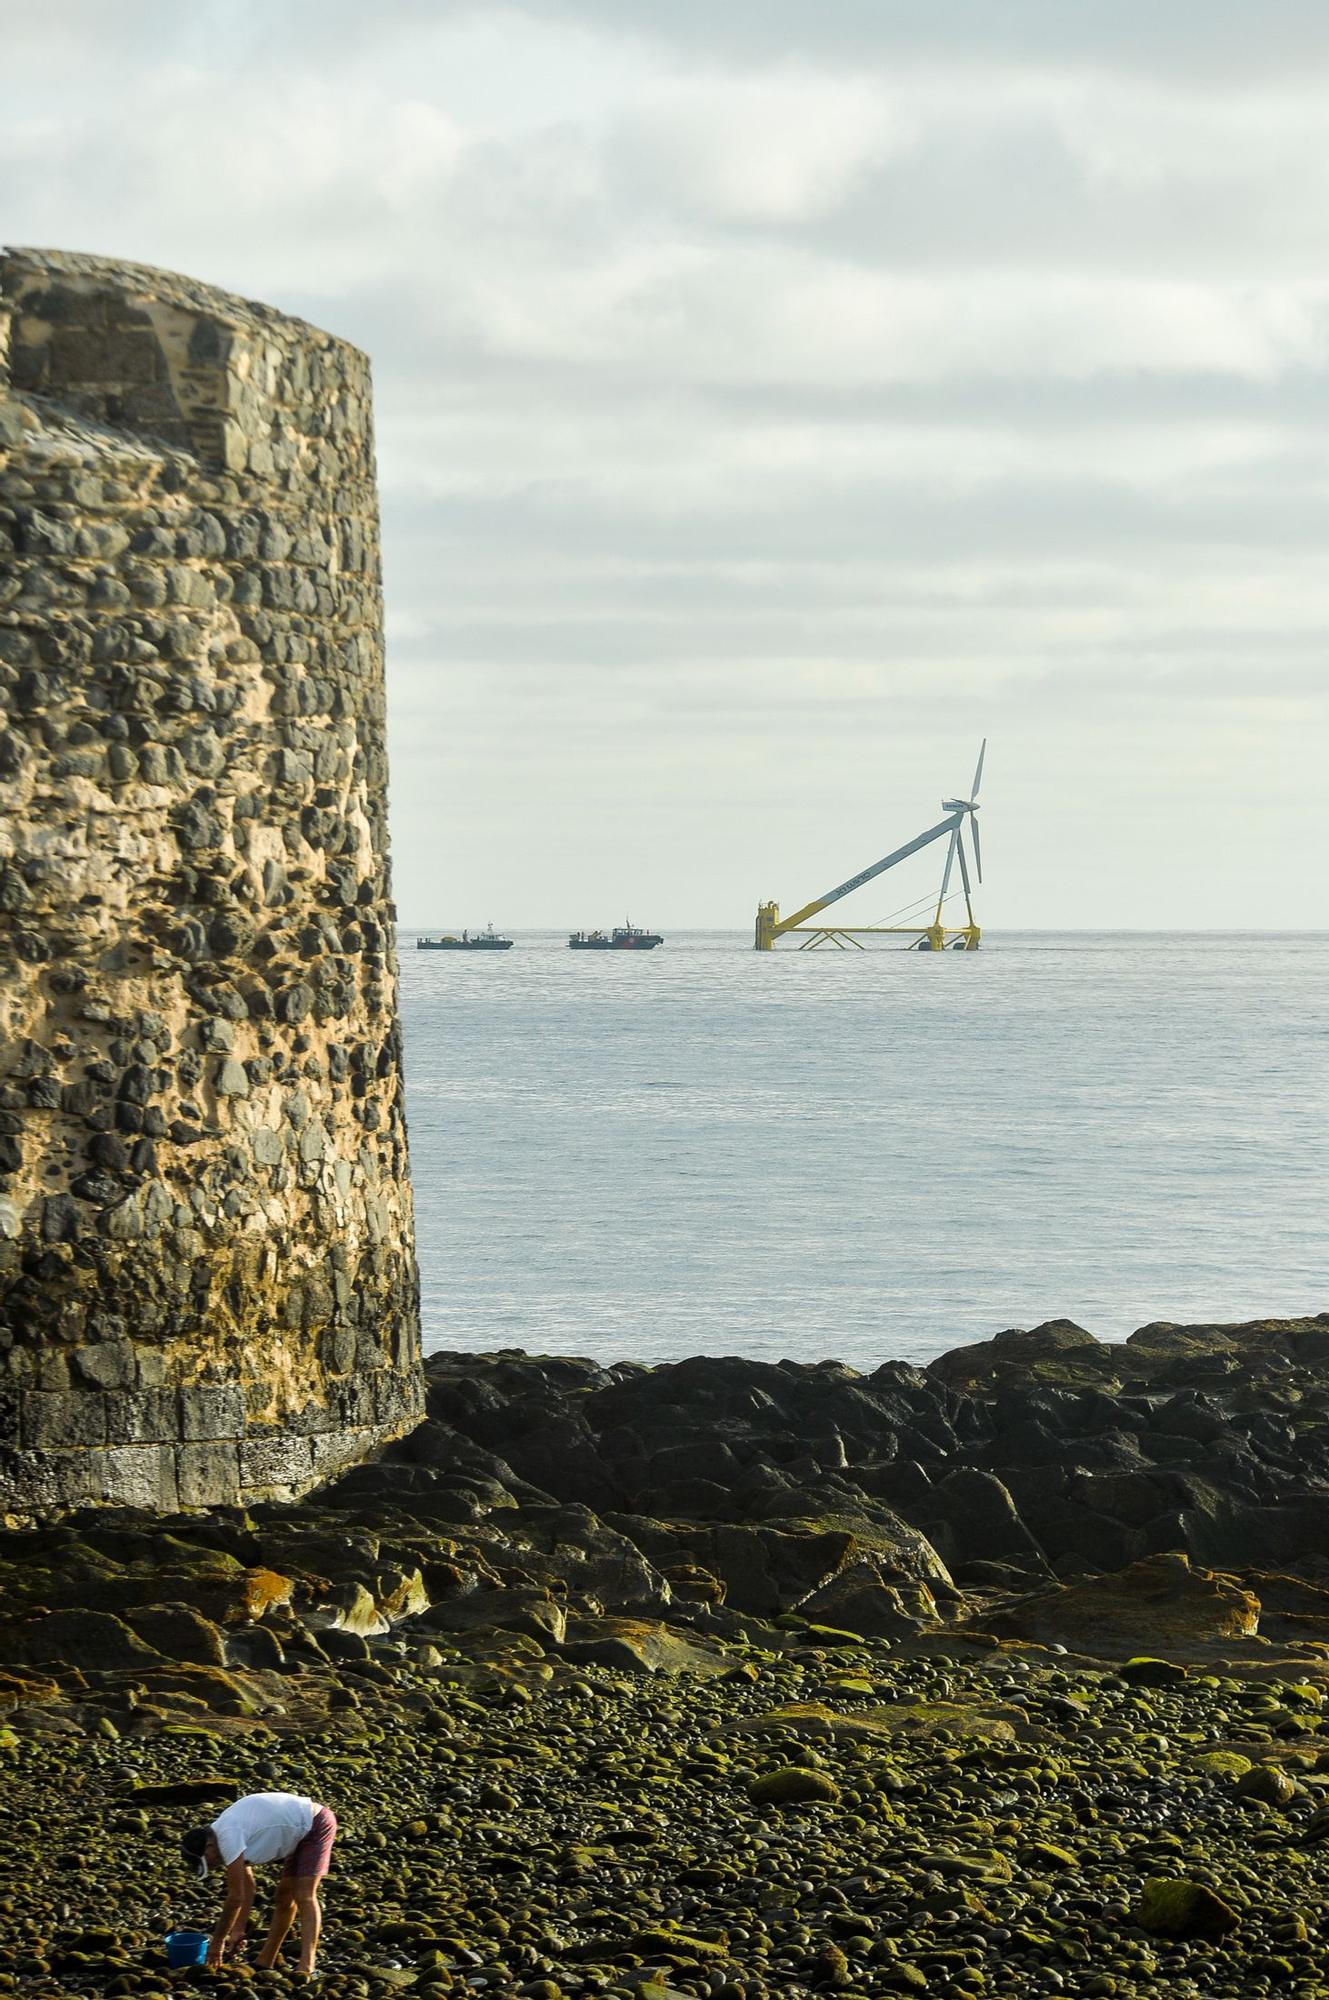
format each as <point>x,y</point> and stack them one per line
<point>774,397</point>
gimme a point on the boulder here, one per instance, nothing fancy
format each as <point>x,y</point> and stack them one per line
<point>21,1689</point>
<point>668,1941</point>
<point>530,1611</point>
<point>979,1722</point>
<point>400,1593</point>
<point>764,1570</point>
<point>1065,1530</point>
<point>791,1785</point>
<point>636,1646</point>
<point>1044,1857</point>
<point>862,1601</point>
<point>1163,1339</point>
<point>971,1516</point>
<point>1290,1608</point>
<point>572,1548</point>
<point>989,1866</point>
<point>351,1608</point>
<point>1060,1342</point>
<point>178,1632</point>
<point>211,1687</point>
<point>1228,1765</point>
<point>873,1532</point>
<point>690,1585</point>
<point>567,1463</point>
<point>1143,1671</point>
<point>259,1591</point>
<point>95,1639</point>
<point>335,1643</point>
<point>254,1646</point>
<point>901,1482</point>
<point>1133,1497</point>
<point>689,1499</point>
<point>1160,1602</point>
<point>1267,1784</point>
<point>1183,1909</point>
<point>1243,1534</point>
<point>710,1460</point>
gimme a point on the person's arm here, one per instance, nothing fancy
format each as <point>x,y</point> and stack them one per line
<point>235,1911</point>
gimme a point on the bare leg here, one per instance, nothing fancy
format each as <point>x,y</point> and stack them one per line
<point>311,1919</point>
<point>283,1916</point>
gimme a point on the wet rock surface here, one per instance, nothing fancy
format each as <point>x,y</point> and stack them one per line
<point>1035,1458</point>
<point>619,1745</point>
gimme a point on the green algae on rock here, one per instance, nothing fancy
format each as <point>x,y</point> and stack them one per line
<point>1178,1908</point>
<point>792,1785</point>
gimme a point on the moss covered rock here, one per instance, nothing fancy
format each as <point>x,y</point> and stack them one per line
<point>1223,1764</point>
<point>988,1866</point>
<point>1268,1784</point>
<point>1179,1908</point>
<point>793,1785</point>
<point>1044,1856</point>
<point>1143,1671</point>
<point>663,1940</point>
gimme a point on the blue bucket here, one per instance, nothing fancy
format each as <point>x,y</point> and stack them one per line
<point>186,1948</point>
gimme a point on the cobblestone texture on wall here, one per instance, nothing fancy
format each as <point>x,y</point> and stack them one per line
<point>207,1277</point>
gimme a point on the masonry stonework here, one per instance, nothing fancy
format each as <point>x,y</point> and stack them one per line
<point>208,1290</point>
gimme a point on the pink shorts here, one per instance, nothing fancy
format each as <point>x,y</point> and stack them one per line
<point>312,1856</point>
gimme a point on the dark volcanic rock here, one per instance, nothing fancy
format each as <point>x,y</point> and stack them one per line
<point>179,1632</point>
<point>860,1599</point>
<point>515,1609</point>
<point>1060,1342</point>
<point>1161,1604</point>
<point>1046,1452</point>
<point>75,1639</point>
<point>971,1516</point>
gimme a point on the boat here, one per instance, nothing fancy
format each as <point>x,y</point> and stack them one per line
<point>624,937</point>
<point>486,940</point>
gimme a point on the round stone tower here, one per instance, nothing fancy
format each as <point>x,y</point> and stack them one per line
<point>208,1289</point>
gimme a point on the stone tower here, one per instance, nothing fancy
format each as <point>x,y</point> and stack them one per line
<point>208,1289</point>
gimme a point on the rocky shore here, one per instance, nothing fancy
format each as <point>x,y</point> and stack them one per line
<point>1004,1676</point>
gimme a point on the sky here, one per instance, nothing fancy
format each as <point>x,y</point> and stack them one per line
<point>773,399</point>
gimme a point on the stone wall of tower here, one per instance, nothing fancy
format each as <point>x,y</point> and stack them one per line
<point>208,1289</point>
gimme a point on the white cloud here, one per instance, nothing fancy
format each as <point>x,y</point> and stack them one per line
<point>785,147</point>
<point>784,393</point>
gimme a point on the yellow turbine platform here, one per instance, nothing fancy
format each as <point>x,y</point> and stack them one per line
<point>930,937</point>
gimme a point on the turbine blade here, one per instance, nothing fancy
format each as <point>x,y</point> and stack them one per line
<point>978,774</point>
<point>978,852</point>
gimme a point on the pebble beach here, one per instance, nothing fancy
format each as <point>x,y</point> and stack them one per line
<point>810,1741</point>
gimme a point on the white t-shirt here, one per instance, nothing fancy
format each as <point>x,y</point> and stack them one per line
<point>267,1826</point>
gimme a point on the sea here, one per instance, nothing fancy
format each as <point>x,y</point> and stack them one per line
<point>862,1155</point>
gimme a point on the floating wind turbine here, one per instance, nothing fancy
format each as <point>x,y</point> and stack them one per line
<point>930,937</point>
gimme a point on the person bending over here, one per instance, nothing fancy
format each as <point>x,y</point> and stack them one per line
<point>266,1826</point>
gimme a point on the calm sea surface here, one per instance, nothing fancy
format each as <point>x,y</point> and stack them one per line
<point>705,1149</point>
